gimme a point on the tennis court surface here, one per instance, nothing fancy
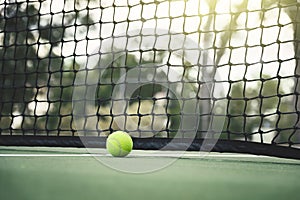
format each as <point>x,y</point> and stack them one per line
<point>44,173</point>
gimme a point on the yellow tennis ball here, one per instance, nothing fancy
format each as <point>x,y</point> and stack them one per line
<point>119,144</point>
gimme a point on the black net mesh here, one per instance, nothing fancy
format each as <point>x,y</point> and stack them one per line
<point>240,83</point>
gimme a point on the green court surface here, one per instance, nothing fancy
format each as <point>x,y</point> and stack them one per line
<point>71,174</point>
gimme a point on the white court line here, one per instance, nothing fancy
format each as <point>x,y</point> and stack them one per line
<point>45,155</point>
<point>135,155</point>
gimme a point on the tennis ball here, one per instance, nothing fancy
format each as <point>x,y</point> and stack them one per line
<point>119,144</point>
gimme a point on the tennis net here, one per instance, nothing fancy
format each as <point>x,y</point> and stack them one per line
<point>191,70</point>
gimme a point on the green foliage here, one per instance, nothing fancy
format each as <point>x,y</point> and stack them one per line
<point>111,76</point>
<point>118,68</point>
<point>253,108</point>
<point>18,61</point>
<point>28,66</point>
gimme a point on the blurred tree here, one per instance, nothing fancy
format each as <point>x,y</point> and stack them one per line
<point>239,122</point>
<point>208,73</point>
<point>141,96</point>
<point>291,8</point>
<point>256,109</point>
<point>28,64</point>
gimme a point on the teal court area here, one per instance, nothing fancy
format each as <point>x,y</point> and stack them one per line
<point>43,173</point>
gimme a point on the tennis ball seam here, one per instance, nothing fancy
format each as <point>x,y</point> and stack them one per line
<point>119,145</point>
